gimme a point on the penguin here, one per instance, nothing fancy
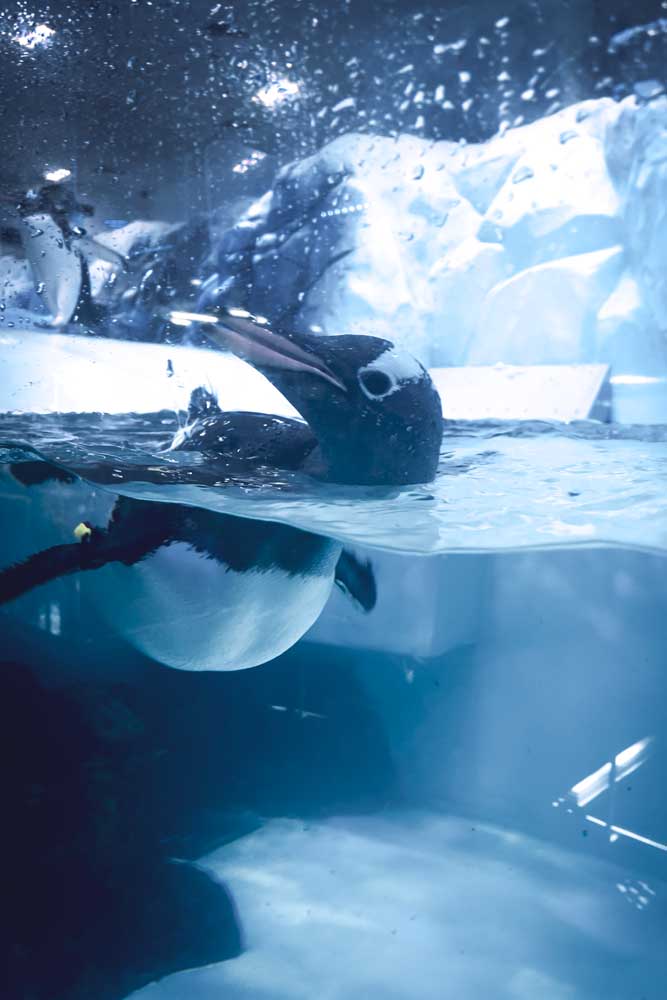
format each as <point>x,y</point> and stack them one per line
<point>198,590</point>
<point>373,416</point>
<point>59,252</point>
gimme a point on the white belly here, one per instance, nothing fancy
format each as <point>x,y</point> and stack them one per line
<point>191,613</point>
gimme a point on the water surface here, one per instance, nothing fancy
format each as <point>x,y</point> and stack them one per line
<point>500,485</point>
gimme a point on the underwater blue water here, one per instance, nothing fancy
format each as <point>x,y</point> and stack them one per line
<point>459,794</point>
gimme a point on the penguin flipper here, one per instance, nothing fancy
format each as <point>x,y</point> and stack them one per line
<point>36,473</point>
<point>40,568</point>
<point>246,438</point>
<point>129,539</point>
<point>356,579</point>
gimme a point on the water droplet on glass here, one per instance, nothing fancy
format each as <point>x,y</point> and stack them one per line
<point>502,22</point>
<point>528,95</point>
<point>454,47</point>
<point>567,135</point>
<point>348,102</point>
<point>646,90</point>
<point>522,174</point>
<point>418,172</point>
<point>40,288</point>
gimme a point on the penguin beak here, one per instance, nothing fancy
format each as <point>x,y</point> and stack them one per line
<point>250,338</point>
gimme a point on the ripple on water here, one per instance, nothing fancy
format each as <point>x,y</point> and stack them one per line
<point>500,485</point>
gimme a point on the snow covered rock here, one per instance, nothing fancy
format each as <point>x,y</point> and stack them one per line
<point>347,239</point>
<point>637,160</point>
<point>481,169</point>
<point>503,251</point>
<point>627,338</point>
<point>544,245</point>
<point>557,201</point>
<point>546,314</point>
<point>459,283</point>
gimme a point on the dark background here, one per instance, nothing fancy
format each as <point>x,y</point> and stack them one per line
<point>151,103</point>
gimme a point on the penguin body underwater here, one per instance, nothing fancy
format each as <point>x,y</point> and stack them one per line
<point>198,590</point>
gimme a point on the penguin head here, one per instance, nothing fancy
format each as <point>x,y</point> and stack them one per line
<point>373,408</point>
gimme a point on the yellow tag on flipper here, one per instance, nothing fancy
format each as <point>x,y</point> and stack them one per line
<point>82,531</point>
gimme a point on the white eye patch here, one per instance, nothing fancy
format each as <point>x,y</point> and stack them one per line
<point>388,373</point>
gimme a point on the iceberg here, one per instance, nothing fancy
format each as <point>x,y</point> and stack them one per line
<point>546,314</point>
<point>454,251</point>
<point>543,245</point>
<point>637,160</point>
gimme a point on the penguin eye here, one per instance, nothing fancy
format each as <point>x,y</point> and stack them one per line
<point>375,383</point>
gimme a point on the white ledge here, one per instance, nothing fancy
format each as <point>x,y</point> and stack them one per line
<point>47,372</point>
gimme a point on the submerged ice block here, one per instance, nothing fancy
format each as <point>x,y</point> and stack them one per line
<point>557,670</point>
<point>424,607</point>
<point>504,755</point>
<point>565,673</point>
